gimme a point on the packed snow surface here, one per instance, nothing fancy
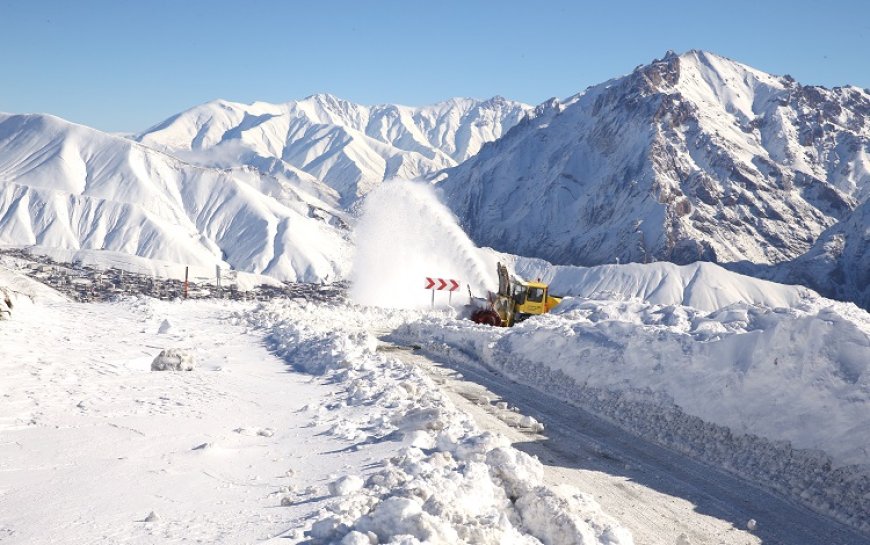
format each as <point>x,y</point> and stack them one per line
<point>404,236</point>
<point>298,425</point>
<point>323,439</point>
<point>757,356</point>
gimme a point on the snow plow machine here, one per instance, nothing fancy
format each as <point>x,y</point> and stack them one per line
<point>514,302</point>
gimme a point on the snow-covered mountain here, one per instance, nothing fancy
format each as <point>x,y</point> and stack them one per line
<point>71,187</point>
<point>692,157</point>
<point>350,147</point>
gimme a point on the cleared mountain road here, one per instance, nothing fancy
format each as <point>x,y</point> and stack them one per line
<point>662,496</point>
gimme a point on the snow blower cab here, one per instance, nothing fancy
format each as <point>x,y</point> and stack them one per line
<point>514,302</point>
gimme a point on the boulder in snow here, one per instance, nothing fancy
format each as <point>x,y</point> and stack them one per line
<point>173,359</point>
<point>5,305</point>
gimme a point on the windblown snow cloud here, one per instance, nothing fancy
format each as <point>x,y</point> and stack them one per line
<point>404,236</point>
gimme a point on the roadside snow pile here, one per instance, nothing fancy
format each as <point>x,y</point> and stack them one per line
<point>173,359</point>
<point>777,395</point>
<point>449,483</point>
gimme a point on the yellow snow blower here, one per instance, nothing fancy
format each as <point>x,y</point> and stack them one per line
<point>514,302</point>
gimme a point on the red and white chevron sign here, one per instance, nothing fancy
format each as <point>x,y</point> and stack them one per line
<point>441,284</point>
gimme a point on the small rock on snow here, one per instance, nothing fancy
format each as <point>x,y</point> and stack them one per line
<point>173,359</point>
<point>165,327</point>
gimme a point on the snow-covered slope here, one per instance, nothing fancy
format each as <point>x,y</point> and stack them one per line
<point>350,147</point>
<point>71,187</point>
<point>690,157</point>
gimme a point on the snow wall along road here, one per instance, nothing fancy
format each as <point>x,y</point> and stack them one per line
<point>404,235</point>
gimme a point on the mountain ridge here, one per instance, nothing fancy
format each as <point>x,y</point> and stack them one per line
<point>350,147</point>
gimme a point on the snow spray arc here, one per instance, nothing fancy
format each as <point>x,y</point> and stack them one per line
<point>404,234</point>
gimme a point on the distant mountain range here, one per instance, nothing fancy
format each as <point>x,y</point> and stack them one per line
<point>349,147</point>
<point>691,157</point>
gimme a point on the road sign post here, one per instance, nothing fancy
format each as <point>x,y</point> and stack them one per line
<point>186,271</point>
<point>441,284</point>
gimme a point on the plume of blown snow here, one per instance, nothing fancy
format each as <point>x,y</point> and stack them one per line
<point>404,235</point>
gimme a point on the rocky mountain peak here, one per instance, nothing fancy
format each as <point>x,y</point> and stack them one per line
<point>692,156</point>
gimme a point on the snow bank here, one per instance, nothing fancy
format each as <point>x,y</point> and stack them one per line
<point>701,285</point>
<point>404,235</point>
<point>449,483</point>
<point>778,395</point>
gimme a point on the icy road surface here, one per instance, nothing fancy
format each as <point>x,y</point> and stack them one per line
<point>662,496</point>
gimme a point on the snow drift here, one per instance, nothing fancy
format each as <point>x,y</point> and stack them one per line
<point>704,286</point>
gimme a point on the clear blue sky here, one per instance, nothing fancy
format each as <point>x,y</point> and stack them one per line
<point>120,65</point>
